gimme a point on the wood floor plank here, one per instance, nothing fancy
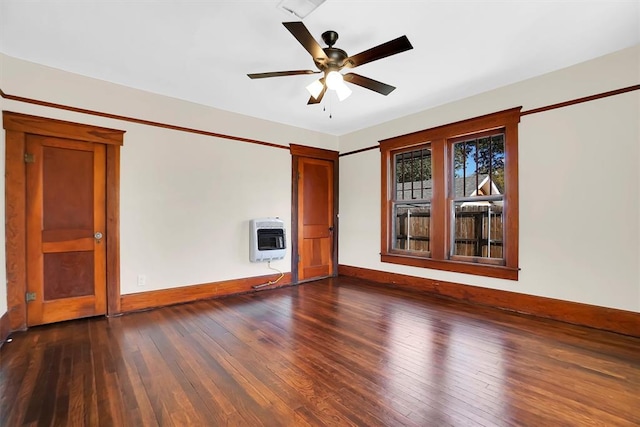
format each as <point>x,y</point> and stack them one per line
<point>339,351</point>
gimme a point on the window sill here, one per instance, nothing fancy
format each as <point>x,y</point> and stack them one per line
<point>487,270</point>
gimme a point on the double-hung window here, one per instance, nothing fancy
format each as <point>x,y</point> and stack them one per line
<point>411,203</point>
<point>450,197</point>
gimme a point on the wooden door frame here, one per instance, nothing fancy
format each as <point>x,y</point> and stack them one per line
<point>302,151</point>
<point>17,126</point>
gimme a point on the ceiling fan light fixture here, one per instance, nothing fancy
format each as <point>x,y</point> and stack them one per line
<point>343,91</point>
<point>315,88</point>
<point>334,80</point>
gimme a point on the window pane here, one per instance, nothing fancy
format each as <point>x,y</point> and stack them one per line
<point>413,175</point>
<point>412,224</point>
<point>478,167</point>
<point>478,229</point>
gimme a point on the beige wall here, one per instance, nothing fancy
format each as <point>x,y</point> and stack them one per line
<point>584,157</point>
<point>186,199</point>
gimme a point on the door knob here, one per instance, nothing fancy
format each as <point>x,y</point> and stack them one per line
<point>98,236</point>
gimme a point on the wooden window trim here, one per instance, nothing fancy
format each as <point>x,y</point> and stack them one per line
<point>441,138</point>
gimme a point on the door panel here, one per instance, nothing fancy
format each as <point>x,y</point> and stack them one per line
<point>68,274</point>
<point>315,218</point>
<point>68,190</point>
<point>65,208</point>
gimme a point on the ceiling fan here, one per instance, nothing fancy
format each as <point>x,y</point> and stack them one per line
<point>330,60</point>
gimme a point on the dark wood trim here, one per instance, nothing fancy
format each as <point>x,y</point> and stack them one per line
<point>609,319</point>
<point>581,100</point>
<point>477,269</point>
<point>17,127</point>
<point>298,151</point>
<point>113,229</point>
<point>294,218</point>
<point>439,227</point>
<point>15,231</point>
<point>336,211</point>
<point>60,128</point>
<point>5,328</point>
<point>440,140</point>
<point>511,249</point>
<point>538,110</point>
<point>138,121</point>
<point>386,226</point>
<point>269,144</point>
<point>362,150</point>
<point>183,294</point>
<point>453,130</point>
<point>313,152</point>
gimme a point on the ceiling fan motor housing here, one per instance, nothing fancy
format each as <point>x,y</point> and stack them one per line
<point>334,60</point>
<point>335,57</point>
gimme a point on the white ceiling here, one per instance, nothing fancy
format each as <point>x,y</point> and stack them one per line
<point>202,50</point>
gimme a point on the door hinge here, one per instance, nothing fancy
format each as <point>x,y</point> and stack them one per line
<point>29,158</point>
<point>30,296</point>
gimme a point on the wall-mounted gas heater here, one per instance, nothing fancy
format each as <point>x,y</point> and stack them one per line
<point>267,240</point>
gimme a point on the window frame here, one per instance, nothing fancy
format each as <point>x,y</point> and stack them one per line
<point>452,199</point>
<point>394,202</point>
<point>441,141</point>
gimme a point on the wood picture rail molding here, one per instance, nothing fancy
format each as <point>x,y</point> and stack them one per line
<point>538,110</point>
<point>604,318</point>
<point>581,100</point>
<point>271,144</point>
<point>136,120</point>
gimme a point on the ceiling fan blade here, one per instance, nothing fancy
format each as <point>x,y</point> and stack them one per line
<point>368,83</point>
<point>280,74</point>
<point>305,38</point>
<point>381,51</point>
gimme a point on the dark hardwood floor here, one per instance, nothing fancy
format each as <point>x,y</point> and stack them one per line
<point>334,352</point>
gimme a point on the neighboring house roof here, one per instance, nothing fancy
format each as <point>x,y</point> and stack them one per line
<point>486,187</point>
<point>423,189</point>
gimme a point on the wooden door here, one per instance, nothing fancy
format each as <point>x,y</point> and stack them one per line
<point>315,218</point>
<point>65,214</point>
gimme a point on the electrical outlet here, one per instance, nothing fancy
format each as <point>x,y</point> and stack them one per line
<point>142,280</point>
